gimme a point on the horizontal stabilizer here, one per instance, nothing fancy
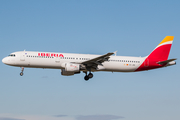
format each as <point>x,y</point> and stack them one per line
<point>166,61</point>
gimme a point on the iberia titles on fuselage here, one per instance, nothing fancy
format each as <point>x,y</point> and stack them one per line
<point>71,64</point>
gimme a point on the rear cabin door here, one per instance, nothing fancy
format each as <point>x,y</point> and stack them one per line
<point>146,63</point>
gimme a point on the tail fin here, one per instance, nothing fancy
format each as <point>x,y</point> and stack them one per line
<point>161,52</point>
<point>158,55</point>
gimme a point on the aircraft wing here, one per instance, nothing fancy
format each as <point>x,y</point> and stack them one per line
<point>98,60</point>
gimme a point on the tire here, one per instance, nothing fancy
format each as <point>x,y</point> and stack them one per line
<point>21,74</point>
<point>90,75</point>
<point>86,78</point>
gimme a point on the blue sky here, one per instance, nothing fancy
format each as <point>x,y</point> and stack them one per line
<point>133,28</point>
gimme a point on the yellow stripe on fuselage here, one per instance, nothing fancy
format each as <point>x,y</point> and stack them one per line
<point>167,39</point>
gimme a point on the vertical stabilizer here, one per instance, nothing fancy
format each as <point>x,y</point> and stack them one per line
<point>160,53</point>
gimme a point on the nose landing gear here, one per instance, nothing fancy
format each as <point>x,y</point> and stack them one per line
<point>89,76</point>
<point>21,73</point>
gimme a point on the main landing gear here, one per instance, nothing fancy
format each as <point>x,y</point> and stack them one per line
<point>87,77</point>
<point>21,73</point>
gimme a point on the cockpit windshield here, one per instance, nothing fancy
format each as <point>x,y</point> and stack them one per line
<point>12,55</point>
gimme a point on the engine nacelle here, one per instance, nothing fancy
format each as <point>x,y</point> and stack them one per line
<point>66,73</point>
<point>70,67</point>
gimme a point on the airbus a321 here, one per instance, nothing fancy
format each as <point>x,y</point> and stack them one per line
<point>71,64</point>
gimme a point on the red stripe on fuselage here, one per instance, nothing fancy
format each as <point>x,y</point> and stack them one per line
<point>159,54</point>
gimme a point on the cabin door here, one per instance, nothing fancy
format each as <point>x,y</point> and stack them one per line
<point>22,56</point>
<point>146,63</point>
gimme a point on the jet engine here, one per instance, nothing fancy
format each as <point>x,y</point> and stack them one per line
<point>66,73</point>
<point>70,69</point>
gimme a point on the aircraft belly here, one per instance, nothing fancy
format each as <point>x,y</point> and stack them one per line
<point>120,67</point>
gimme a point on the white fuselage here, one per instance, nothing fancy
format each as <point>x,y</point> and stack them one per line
<point>71,64</point>
<point>57,61</point>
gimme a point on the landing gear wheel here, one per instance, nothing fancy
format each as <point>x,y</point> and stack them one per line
<point>90,75</point>
<point>22,69</point>
<point>86,78</point>
<point>21,74</point>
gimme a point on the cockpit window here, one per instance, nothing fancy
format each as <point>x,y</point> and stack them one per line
<point>12,55</point>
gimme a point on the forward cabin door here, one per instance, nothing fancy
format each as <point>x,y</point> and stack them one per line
<point>22,56</point>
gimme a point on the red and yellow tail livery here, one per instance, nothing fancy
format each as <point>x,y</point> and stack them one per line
<point>158,55</point>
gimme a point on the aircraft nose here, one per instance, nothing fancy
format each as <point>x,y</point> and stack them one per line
<point>4,60</point>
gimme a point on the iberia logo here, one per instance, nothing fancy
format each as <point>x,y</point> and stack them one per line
<point>50,55</point>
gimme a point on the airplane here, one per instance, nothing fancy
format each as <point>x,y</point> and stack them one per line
<point>71,64</point>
